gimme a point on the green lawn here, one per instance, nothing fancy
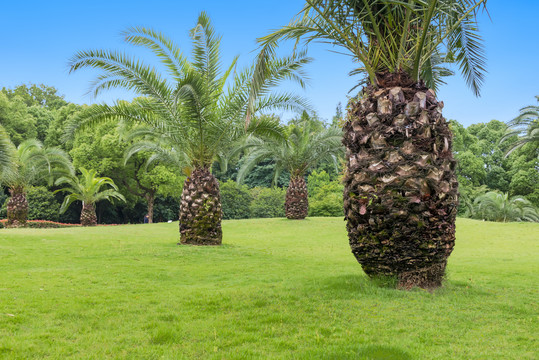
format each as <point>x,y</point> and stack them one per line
<point>275,289</point>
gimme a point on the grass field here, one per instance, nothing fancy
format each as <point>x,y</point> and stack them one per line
<point>276,289</point>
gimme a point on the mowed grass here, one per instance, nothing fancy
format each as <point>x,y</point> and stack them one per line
<point>276,289</point>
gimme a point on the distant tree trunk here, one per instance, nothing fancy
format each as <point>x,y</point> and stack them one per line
<point>17,207</point>
<point>150,199</point>
<point>297,199</point>
<point>200,209</point>
<point>400,187</point>
<point>87,215</point>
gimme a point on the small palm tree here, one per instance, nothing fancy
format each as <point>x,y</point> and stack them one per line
<point>89,192</point>
<point>32,163</point>
<point>494,206</point>
<point>299,151</point>
<point>400,187</point>
<point>526,127</point>
<point>194,111</point>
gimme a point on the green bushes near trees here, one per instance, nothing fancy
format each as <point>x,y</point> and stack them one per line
<point>325,195</point>
<point>267,202</point>
<point>235,200</point>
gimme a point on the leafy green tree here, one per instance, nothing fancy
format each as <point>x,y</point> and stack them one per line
<point>16,120</point>
<point>299,151</point>
<point>34,163</point>
<point>395,135</point>
<point>57,127</point>
<point>194,113</point>
<point>89,192</point>
<point>525,182</point>
<point>494,206</point>
<point>148,183</point>
<point>37,95</point>
<point>526,127</point>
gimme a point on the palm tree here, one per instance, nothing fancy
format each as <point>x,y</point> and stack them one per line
<point>298,152</point>
<point>32,163</point>
<point>195,111</point>
<point>7,154</point>
<point>526,127</point>
<point>400,195</point>
<point>89,192</point>
<point>494,206</point>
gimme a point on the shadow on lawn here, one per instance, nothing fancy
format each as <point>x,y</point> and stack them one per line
<point>350,286</point>
<point>368,352</point>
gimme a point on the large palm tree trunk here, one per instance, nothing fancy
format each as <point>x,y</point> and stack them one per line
<point>17,207</point>
<point>200,209</point>
<point>297,201</point>
<point>400,196</point>
<point>87,215</point>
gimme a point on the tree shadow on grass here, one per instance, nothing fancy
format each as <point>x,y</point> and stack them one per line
<point>351,286</point>
<point>367,352</point>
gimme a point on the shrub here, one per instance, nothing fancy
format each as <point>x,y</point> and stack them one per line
<point>41,224</point>
<point>330,204</point>
<point>325,196</point>
<point>267,202</point>
<point>315,181</point>
<point>42,204</point>
<point>235,200</point>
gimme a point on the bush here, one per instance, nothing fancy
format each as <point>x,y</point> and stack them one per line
<point>328,205</point>
<point>267,202</point>
<point>235,200</point>
<point>40,224</point>
<point>325,196</point>
<point>42,204</point>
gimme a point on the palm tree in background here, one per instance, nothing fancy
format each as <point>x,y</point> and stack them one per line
<point>32,163</point>
<point>400,196</point>
<point>526,127</point>
<point>194,112</point>
<point>89,192</point>
<point>7,155</point>
<point>299,151</point>
<point>494,206</point>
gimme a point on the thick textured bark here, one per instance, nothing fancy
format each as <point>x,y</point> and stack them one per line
<point>200,210</point>
<point>297,201</point>
<point>17,207</point>
<point>87,215</point>
<point>401,192</point>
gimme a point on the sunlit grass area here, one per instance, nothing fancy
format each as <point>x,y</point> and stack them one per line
<point>275,289</point>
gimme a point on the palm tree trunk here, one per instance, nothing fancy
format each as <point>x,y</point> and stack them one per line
<point>17,207</point>
<point>401,192</point>
<point>297,201</point>
<point>200,209</point>
<point>87,215</point>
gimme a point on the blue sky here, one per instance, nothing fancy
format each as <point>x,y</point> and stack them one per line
<point>38,38</point>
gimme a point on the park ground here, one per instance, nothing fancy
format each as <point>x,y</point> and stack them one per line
<point>275,289</point>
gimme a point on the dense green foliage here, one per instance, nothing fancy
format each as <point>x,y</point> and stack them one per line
<point>276,289</point>
<point>267,202</point>
<point>42,204</point>
<point>483,164</point>
<point>235,200</point>
<point>325,195</point>
<point>89,189</point>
